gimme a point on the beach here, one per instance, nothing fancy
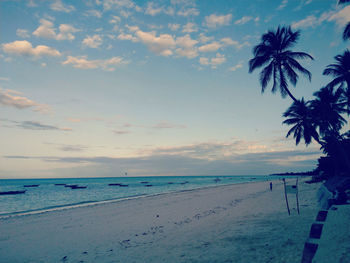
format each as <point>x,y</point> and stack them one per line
<point>232,223</point>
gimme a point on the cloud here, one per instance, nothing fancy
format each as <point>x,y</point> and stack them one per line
<point>341,17</point>
<point>25,48</point>
<point>34,125</point>
<point>229,42</point>
<point>153,10</point>
<point>188,12</point>
<point>93,41</point>
<point>309,21</point>
<point>238,66</point>
<point>173,27</point>
<point>121,132</point>
<point>189,28</point>
<point>282,5</point>
<point>214,20</point>
<point>197,159</point>
<point>204,39</point>
<point>23,33</point>
<point>213,62</point>
<point>161,45</point>
<point>243,20</point>
<point>167,125</point>
<point>82,62</point>
<point>94,13</point>
<point>212,47</point>
<point>57,5</point>
<point>116,4</point>
<point>123,36</point>
<point>47,30</point>
<point>14,99</point>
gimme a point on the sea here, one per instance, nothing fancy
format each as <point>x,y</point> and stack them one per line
<point>62,193</point>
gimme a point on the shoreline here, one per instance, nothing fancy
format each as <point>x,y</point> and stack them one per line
<point>243,222</point>
<point>94,203</point>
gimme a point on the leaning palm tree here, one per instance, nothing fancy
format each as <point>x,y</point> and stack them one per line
<point>279,62</point>
<point>340,70</point>
<point>327,108</point>
<point>299,114</point>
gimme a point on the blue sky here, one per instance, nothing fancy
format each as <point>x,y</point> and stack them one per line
<point>103,87</point>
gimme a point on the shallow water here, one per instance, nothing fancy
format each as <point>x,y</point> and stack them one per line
<point>49,195</point>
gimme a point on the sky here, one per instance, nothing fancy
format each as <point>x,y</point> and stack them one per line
<point>97,88</point>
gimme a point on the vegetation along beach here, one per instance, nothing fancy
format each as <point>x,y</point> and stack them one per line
<point>175,131</point>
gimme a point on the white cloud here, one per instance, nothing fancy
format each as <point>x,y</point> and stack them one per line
<point>110,4</point>
<point>213,62</point>
<point>243,20</point>
<point>47,30</point>
<point>152,9</point>
<point>57,5</point>
<point>25,48</point>
<point>173,27</point>
<point>189,28</point>
<point>23,33</point>
<point>167,125</point>
<point>94,13</point>
<point>92,41</point>
<point>187,49</point>
<point>341,17</point>
<point>214,20</point>
<point>204,39</point>
<point>115,20</point>
<point>160,45</point>
<point>282,5</point>
<point>238,66</point>
<point>212,47</point>
<point>15,99</point>
<point>188,12</point>
<point>82,62</point>
<point>229,42</point>
<point>123,36</point>
<point>186,41</point>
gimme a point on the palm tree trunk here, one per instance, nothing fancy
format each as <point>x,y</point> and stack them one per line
<point>290,94</point>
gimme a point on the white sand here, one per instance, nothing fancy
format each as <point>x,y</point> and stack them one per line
<point>235,223</point>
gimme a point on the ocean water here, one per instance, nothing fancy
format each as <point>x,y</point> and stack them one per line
<point>49,195</point>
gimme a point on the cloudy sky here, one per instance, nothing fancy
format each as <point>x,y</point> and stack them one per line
<point>103,87</point>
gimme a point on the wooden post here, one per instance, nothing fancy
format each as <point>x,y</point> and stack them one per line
<point>285,195</point>
<point>297,196</point>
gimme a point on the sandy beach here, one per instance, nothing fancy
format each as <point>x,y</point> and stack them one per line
<point>232,223</point>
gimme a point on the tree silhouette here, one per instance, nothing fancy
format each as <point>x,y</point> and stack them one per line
<point>280,62</point>
<point>341,73</point>
<point>300,115</point>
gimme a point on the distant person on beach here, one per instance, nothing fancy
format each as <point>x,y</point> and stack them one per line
<point>270,186</point>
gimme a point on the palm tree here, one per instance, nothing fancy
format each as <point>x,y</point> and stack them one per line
<point>280,62</point>
<point>300,115</point>
<point>327,108</point>
<point>346,33</point>
<point>340,70</point>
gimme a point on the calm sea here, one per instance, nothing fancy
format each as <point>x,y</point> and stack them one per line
<point>53,193</point>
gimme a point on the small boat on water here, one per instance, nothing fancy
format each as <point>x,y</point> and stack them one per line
<point>60,184</point>
<point>31,185</point>
<point>78,187</point>
<point>114,184</point>
<point>148,185</point>
<point>13,192</point>
<point>120,185</point>
<point>70,185</point>
<point>144,182</point>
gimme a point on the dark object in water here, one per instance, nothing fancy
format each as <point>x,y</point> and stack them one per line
<point>70,185</point>
<point>148,185</point>
<point>144,182</point>
<point>78,187</point>
<point>13,192</point>
<point>186,182</point>
<point>123,185</point>
<point>60,184</point>
<point>31,185</point>
<point>114,184</point>
<point>170,183</point>
<point>217,180</point>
